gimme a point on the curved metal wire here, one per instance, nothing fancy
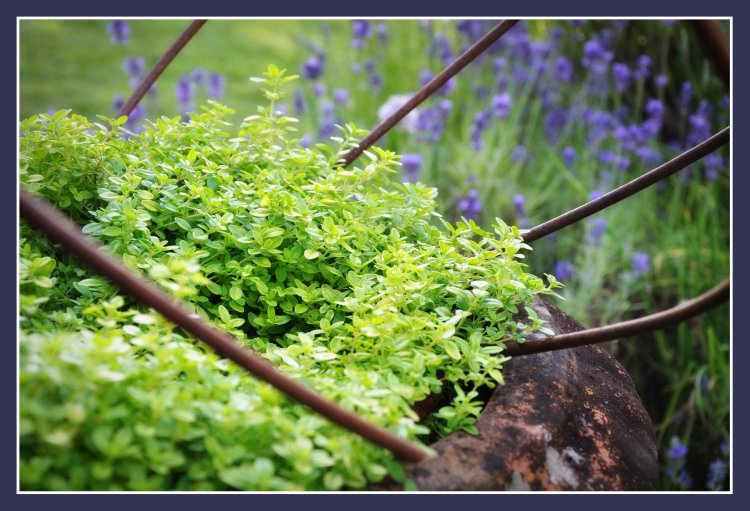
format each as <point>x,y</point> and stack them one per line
<point>430,88</point>
<point>640,183</point>
<point>59,229</point>
<point>703,303</point>
<point>159,67</point>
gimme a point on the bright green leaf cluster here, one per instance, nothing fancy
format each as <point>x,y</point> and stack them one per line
<point>345,280</point>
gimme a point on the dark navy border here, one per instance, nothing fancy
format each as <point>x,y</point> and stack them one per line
<point>296,8</point>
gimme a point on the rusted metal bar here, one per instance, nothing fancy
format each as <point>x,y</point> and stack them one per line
<point>715,46</point>
<point>433,85</point>
<point>623,192</point>
<point>60,229</point>
<point>159,68</point>
<point>646,324</point>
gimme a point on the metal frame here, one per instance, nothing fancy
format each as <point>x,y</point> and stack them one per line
<point>57,227</point>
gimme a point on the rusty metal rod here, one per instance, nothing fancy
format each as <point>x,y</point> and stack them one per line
<point>425,92</point>
<point>623,192</point>
<point>159,68</point>
<point>715,46</point>
<point>646,324</point>
<point>58,228</point>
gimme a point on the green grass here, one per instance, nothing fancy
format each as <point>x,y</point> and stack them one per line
<point>71,63</point>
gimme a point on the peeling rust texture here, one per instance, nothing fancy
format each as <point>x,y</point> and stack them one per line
<point>564,420</point>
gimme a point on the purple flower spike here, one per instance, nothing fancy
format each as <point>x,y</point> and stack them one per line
<point>519,201</point>
<point>135,67</point>
<point>361,29</point>
<point>319,89</point>
<point>563,70</point>
<point>216,85</point>
<point>641,265</point>
<point>119,32</point>
<point>312,68</point>
<point>340,96</point>
<point>300,105</point>
<point>563,270</point>
<point>469,207</point>
<point>620,76</point>
<point>412,163</point>
<point>184,90</point>
<point>642,68</point>
<point>597,230</point>
<point>518,154</point>
<point>569,156</point>
<point>501,104</point>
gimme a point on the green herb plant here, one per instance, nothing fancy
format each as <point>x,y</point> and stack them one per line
<point>345,280</point>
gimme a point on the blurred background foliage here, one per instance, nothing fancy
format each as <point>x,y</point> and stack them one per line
<point>552,115</point>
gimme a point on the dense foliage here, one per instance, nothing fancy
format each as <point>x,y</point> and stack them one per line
<point>344,279</point>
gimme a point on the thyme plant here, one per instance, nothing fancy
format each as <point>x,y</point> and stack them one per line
<point>344,279</point>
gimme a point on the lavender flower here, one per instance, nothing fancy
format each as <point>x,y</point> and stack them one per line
<point>481,121</point>
<point>499,65</point>
<point>340,96</point>
<point>595,57</point>
<point>711,165</point>
<point>307,140</point>
<point>554,123</point>
<point>412,163</point>
<point>594,195</point>
<point>215,86</point>
<point>686,97</point>
<point>641,265</point>
<point>501,104</point>
<point>642,68</point>
<point>661,81</point>
<point>327,126</point>
<point>185,91</point>
<point>135,67</point>
<point>361,29</point>
<point>319,89</point>
<point>469,207</point>
<point>563,270</point>
<point>717,472</point>
<point>648,155</point>
<point>569,156</point>
<point>519,201</point>
<point>596,230</point>
<point>684,480</point>
<point>199,76</point>
<point>620,76</point>
<point>119,32</point>
<point>382,32</point>
<point>431,121</point>
<point>563,70</point>
<point>443,49</point>
<point>606,157</point>
<point>312,68</point>
<point>375,80</point>
<point>518,154</point>
<point>655,108</point>
<point>300,105</point>
<point>471,28</point>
